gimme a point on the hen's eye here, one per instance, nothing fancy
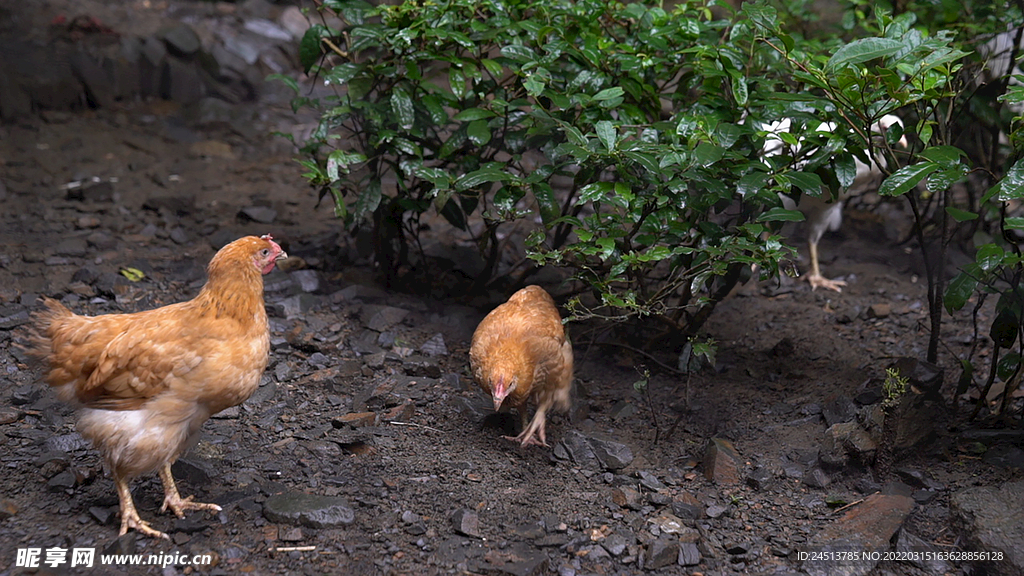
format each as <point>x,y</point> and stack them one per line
<point>265,252</point>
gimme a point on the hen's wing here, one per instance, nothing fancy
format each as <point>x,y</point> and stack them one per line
<point>119,361</point>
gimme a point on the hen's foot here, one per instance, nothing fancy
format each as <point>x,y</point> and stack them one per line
<point>174,501</point>
<point>179,505</point>
<point>130,520</point>
<point>818,281</point>
<point>529,441</point>
<point>130,516</point>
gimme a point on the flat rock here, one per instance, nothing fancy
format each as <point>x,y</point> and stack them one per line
<point>663,552</point>
<point>310,510</point>
<point>993,521</point>
<point>434,346</point>
<point>67,443</point>
<point>381,318</point>
<point>869,526</point>
<point>611,453</point>
<point>722,462</point>
<point>838,408</point>
<point>466,522</point>
<point>596,451</point>
<point>180,39</point>
<point>308,280</point>
<point>847,441</point>
<point>689,554</point>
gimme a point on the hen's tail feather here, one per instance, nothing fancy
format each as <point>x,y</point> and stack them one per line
<point>39,336</point>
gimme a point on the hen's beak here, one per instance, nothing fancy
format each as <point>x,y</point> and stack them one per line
<point>281,256</point>
<point>499,394</point>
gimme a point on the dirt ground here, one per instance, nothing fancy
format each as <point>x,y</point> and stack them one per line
<point>159,194</point>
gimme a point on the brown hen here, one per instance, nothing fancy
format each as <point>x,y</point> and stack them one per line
<point>146,382</point>
<point>520,352</point>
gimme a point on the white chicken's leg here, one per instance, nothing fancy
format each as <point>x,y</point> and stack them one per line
<point>815,278</point>
<point>174,501</point>
<point>130,516</point>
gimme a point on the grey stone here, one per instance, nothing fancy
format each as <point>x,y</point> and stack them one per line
<point>993,521</point>
<point>817,478</point>
<point>62,481</point>
<point>93,191</point>
<point>845,441</point>
<point>919,478</point>
<point>295,306</point>
<point>91,74</point>
<point>434,346</point>
<point>722,462</point>
<point>381,318</point>
<point>182,82</point>
<point>67,443</point>
<point>466,522</point>
<point>151,66</point>
<point>179,235</point>
<point>616,543</point>
<point>308,280</point>
<point>420,366</point>
<point>229,413</point>
<point>869,525</point>
<point>15,101</point>
<point>102,514</point>
<point>17,319</point>
<point>686,510</point>
<point>612,454</point>
<point>181,39</point>
<point>310,510</point>
<point>650,481</point>
<point>101,241</point>
<point>913,546</point>
<point>689,554</point>
<point>268,29</point>
<point>837,409</point>
<point>759,478</point>
<point>626,497</point>
<point>593,451</point>
<point>992,437</point>
<point>663,552</point>
<point>261,214</point>
<point>246,46</point>
<point>716,510</point>
<point>1005,456</point>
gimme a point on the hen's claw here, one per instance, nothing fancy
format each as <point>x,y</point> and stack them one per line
<point>818,281</point>
<point>174,501</point>
<point>133,522</point>
<point>525,442</point>
<point>130,516</point>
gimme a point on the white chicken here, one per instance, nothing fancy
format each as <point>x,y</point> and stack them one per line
<point>823,212</point>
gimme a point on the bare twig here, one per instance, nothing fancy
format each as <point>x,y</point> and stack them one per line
<point>399,423</point>
<point>851,504</point>
<point>639,351</point>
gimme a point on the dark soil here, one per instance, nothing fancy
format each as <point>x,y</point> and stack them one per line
<point>430,450</point>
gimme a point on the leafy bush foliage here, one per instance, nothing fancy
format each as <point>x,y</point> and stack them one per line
<point>630,136</point>
<point>628,139</point>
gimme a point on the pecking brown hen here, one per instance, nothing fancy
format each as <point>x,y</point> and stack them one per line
<point>520,352</point>
<point>145,382</point>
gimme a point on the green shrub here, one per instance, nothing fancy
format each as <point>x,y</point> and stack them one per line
<point>625,141</point>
